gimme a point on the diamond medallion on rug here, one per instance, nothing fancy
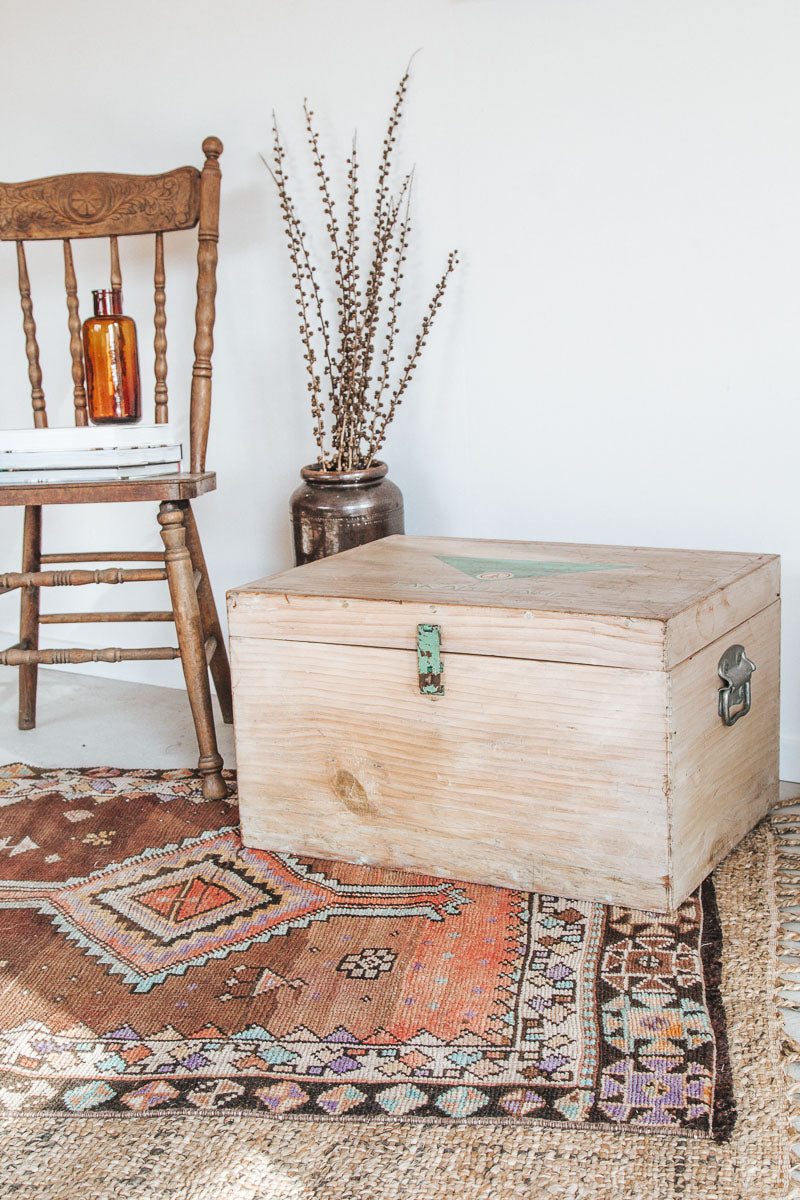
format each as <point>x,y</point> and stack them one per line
<point>151,963</point>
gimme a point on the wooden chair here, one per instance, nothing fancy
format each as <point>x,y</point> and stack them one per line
<point>97,206</point>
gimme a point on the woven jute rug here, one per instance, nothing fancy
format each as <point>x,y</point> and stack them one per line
<point>268,1026</point>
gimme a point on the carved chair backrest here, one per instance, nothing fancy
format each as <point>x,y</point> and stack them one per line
<point>97,205</point>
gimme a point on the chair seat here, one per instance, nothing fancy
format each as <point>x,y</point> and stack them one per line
<point>179,486</point>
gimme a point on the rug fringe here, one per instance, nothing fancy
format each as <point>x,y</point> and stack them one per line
<point>785,821</point>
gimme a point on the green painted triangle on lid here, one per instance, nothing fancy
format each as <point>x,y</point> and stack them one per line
<point>510,568</point>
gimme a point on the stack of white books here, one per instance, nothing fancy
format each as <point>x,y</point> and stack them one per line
<point>88,454</point>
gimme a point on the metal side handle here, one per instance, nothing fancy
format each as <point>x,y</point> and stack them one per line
<point>735,669</point>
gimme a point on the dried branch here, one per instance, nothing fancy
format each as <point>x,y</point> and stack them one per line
<point>357,370</point>
<point>394,304</point>
<point>413,358</point>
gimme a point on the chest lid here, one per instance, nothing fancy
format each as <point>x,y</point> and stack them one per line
<point>626,606</point>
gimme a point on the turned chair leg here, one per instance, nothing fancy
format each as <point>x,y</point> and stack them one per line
<point>191,642</point>
<point>220,667</point>
<point>29,615</point>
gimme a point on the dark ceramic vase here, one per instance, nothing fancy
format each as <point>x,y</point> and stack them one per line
<point>337,510</point>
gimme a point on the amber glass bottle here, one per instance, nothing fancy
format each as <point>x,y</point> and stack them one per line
<point>112,362</point>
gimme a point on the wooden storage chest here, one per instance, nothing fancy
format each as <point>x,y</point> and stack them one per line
<point>579,745</point>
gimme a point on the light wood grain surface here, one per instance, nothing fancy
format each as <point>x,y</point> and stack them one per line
<point>722,779</point>
<point>636,582</point>
<point>661,607</point>
<point>524,774</point>
<point>577,748</point>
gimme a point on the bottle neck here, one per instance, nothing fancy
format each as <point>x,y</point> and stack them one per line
<point>107,302</point>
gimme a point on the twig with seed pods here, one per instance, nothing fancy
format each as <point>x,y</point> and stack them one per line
<point>355,391</point>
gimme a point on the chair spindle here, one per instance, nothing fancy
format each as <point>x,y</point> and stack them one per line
<point>91,618</point>
<point>31,345</point>
<point>160,340</point>
<point>207,238</point>
<point>116,273</point>
<point>112,654</point>
<point>75,345</point>
<point>21,579</point>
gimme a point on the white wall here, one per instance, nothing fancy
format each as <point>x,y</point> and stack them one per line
<point>618,360</point>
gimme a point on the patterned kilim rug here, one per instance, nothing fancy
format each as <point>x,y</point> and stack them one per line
<point>153,967</point>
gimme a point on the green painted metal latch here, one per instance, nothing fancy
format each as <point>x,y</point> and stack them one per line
<point>429,660</point>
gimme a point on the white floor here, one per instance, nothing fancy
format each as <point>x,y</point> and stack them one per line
<point>84,721</point>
